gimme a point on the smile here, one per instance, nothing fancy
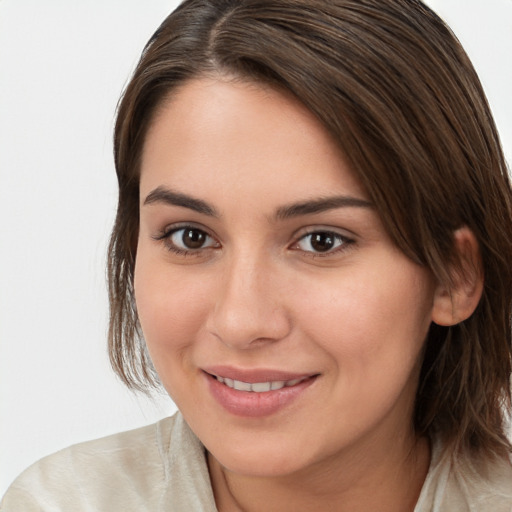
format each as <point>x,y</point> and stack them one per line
<point>258,387</point>
<point>268,392</point>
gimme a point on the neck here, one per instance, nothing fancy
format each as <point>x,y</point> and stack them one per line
<point>384,476</point>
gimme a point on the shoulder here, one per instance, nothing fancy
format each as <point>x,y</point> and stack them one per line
<point>131,470</point>
<point>464,484</point>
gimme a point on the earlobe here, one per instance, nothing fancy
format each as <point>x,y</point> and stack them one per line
<point>456,302</point>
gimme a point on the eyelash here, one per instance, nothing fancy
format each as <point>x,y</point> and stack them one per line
<point>166,238</point>
<point>343,242</point>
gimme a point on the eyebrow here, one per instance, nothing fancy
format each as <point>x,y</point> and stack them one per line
<point>309,207</point>
<point>320,205</point>
<point>166,196</point>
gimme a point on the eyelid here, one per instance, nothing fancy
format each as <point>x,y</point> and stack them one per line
<point>164,236</point>
<point>176,226</point>
<point>309,230</point>
<point>347,240</point>
<point>206,245</point>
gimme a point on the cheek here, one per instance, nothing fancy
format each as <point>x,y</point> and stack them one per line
<point>170,310</point>
<point>370,322</point>
<point>371,330</point>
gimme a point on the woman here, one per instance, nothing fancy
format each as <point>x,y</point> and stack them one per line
<point>311,255</point>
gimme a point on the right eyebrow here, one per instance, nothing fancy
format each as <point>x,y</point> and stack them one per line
<point>164,195</point>
<point>322,204</point>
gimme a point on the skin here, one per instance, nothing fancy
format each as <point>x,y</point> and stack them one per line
<point>256,294</point>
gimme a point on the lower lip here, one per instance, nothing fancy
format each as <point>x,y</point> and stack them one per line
<point>255,405</point>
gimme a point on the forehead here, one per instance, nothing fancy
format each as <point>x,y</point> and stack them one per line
<point>243,139</point>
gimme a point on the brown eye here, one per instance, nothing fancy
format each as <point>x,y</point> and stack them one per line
<point>193,238</point>
<point>322,242</point>
<point>190,239</point>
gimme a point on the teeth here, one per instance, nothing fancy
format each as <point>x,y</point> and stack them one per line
<point>241,386</point>
<point>258,387</point>
<point>277,385</point>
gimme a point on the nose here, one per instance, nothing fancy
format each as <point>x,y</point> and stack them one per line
<point>249,308</point>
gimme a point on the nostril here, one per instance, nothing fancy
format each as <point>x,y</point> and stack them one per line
<point>251,330</point>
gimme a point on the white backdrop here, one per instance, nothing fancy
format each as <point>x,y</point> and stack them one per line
<point>63,64</point>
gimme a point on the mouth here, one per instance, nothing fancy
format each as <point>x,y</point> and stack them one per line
<point>257,393</point>
<point>259,387</point>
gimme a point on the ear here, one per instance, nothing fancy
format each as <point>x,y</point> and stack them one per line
<point>456,302</point>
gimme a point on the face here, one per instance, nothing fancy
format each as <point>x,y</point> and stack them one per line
<point>280,317</point>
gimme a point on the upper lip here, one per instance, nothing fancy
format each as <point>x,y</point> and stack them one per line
<point>253,375</point>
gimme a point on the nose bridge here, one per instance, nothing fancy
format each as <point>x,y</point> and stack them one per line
<point>249,307</point>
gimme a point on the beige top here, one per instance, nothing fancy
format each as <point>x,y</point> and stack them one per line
<point>162,467</point>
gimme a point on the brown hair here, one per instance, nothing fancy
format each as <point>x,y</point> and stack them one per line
<point>395,88</point>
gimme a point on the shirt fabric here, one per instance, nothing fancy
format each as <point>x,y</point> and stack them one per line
<point>162,468</point>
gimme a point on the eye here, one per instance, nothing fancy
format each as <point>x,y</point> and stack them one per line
<point>322,242</point>
<point>190,238</point>
<point>187,239</point>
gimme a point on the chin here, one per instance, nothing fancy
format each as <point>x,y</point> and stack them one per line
<point>261,461</point>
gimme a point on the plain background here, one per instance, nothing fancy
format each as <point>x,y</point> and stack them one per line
<point>63,65</point>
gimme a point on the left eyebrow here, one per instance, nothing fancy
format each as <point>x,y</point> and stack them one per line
<point>173,198</point>
<point>320,205</point>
